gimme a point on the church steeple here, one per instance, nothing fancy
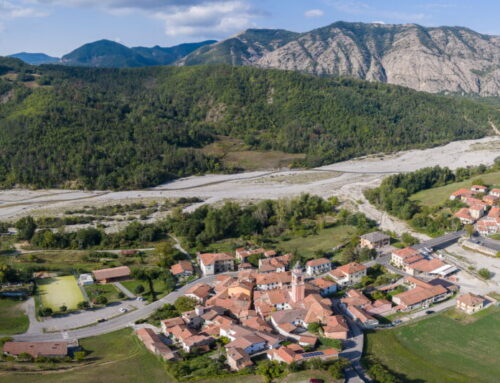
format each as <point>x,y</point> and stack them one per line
<point>298,286</point>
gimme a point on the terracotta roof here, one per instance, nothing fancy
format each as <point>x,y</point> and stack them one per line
<point>36,349</point>
<point>181,267</point>
<point>470,299</point>
<point>461,192</point>
<point>318,262</point>
<point>351,268</point>
<point>239,355</point>
<point>201,290</point>
<point>406,252</point>
<point>211,258</point>
<point>172,322</point>
<point>464,214</point>
<point>323,283</point>
<point>114,272</point>
<point>426,265</point>
<point>278,277</point>
<point>420,294</point>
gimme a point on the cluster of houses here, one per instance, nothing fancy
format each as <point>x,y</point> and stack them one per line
<point>256,312</point>
<point>420,263</point>
<point>483,208</point>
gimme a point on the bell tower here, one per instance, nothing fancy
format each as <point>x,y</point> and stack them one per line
<point>298,286</point>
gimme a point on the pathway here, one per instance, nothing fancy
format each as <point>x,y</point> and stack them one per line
<point>124,290</point>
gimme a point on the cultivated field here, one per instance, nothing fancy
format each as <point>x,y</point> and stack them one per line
<point>439,195</point>
<point>59,291</point>
<point>12,318</point>
<point>442,349</point>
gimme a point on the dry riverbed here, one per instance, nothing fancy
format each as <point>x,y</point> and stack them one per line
<point>345,179</point>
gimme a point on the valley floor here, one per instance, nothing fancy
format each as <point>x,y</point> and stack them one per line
<point>345,179</point>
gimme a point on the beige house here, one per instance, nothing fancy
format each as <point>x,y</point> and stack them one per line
<point>375,240</point>
<point>470,303</point>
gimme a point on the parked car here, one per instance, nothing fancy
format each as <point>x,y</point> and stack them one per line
<point>139,299</point>
<point>396,322</point>
<point>428,312</point>
<point>101,320</point>
<point>123,310</point>
<point>313,380</point>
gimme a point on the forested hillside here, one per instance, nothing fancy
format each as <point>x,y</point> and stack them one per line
<point>131,128</point>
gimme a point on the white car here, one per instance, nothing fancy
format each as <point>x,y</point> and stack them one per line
<point>140,299</point>
<point>123,310</point>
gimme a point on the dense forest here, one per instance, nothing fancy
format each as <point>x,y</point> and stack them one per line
<point>133,128</point>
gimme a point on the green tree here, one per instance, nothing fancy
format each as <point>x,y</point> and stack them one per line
<point>26,228</point>
<point>101,300</point>
<point>139,289</point>
<point>484,273</point>
<point>183,304</point>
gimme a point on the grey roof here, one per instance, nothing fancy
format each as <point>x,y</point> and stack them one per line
<point>376,236</point>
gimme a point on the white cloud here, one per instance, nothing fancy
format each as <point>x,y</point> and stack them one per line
<point>208,19</point>
<point>200,18</point>
<point>314,13</point>
<point>10,10</point>
<point>355,7</point>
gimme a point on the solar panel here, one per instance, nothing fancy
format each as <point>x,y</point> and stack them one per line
<point>312,354</point>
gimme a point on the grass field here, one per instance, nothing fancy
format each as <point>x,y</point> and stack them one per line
<point>59,291</point>
<point>325,240</point>
<point>117,357</point>
<point>109,291</point>
<point>436,196</point>
<point>158,285</point>
<point>12,318</point>
<point>442,349</point>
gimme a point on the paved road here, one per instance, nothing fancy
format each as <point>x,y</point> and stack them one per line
<point>353,349</point>
<point>123,321</point>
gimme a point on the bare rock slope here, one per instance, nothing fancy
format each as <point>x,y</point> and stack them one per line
<point>444,59</point>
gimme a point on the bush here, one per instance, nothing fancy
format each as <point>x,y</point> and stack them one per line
<point>63,308</point>
<point>485,273</point>
<point>139,289</point>
<point>183,304</point>
<point>45,312</point>
<point>101,300</point>
<point>83,305</point>
<point>79,355</point>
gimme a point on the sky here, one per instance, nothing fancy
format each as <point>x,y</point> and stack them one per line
<point>56,27</point>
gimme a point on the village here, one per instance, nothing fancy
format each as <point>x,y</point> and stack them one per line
<point>287,312</point>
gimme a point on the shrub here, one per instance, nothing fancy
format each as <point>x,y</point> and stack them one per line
<point>139,289</point>
<point>101,300</point>
<point>485,273</point>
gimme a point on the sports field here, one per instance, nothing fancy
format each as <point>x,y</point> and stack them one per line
<point>59,291</point>
<point>442,348</point>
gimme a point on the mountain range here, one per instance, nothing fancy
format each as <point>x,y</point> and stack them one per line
<point>110,54</point>
<point>437,59</point>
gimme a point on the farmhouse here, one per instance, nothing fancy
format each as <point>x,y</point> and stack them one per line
<point>182,269</point>
<point>114,274</point>
<point>465,216</point>
<point>402,257</point>
<point>479,188</point>
<point>237,358</point>
<point>375,240</point>
<point>213,263</point>
<point>37,349</point>
<point>154,344</point>
<point>200,292</point>
<point>422,294</point>
<point>349,274</point>
<point>318,266</point>
<point>470,303</point>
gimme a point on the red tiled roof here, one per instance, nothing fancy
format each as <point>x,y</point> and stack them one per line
<point>36,349</point>
<point>114,272</point>
<point>318,262</point>
<point>351,268</point>
<point>470,299</point>
<point>211,258</point>
<point>406,252</point>
<point>181,267</point>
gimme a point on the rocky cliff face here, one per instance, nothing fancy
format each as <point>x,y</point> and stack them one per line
<point>444,59</point>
